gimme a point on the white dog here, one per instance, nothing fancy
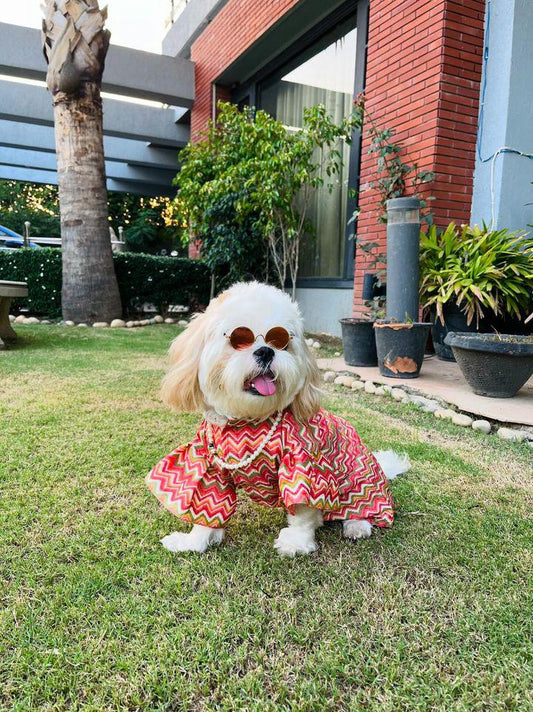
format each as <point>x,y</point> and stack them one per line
<point>244,363</point>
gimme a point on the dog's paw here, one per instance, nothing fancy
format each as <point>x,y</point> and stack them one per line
<point>293,540</point>
<point>356,529</point>
<point>193,541</point>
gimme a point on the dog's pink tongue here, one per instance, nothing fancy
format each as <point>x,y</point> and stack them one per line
<point>264,386</point>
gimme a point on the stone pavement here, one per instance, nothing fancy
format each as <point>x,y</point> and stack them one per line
<point>443,379</point>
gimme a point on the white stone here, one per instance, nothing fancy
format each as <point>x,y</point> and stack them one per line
<point>428,405</point>
<point>158,319</point>
<point>369,387</point>
<point>399,394</point>
<point>69,323</point>
<point>482,425</point>
<point>465,421</point>
<point>329,376</point>
<point>344,381</point>
<point>316,344</point>
<point>183,322</point>
<point>130,324</point>
<point>12,318</point>
<point>83,324</point>
<point>100,325</point>
<point>309,342</point>
<point>169,320</point>
<point>20,319</point>
<point>358,385</point>
<point>380,391</point>
<point>118,323</point>
<point>337,353</point>
<point>444,413</point>
<point>516,436</point>
<point>32,320</point>
<point>153,321</point>
<point>145,322</point>
<point>45,321</point>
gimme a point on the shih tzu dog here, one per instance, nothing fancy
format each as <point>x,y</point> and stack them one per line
<point>245,365</point>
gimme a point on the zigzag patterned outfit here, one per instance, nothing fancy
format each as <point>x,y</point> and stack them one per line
<point>322,464</point>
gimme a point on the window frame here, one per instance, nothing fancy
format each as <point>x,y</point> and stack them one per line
<point>338,23</point>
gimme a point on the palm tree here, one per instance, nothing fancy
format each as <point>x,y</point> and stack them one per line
<point>75,45</point>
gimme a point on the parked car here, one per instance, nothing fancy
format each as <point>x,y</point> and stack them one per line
<point>10,240</point>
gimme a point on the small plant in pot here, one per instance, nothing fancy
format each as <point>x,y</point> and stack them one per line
<point>474,279</point>
<point>401,347</point>
<point>358,338</point>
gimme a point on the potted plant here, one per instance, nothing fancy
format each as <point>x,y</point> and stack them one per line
<point>494,365</point>
<point>401,347</point>
<point>358,338</point>
<point>392,178</point>
<point>474,279</point>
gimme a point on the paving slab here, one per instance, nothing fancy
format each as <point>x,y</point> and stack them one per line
<point>443,379</point>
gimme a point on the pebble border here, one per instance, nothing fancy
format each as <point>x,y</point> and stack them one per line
<point>115,324</point>
<point>438,407</point>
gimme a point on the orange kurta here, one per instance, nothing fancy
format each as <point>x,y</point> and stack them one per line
<point>322,464</point>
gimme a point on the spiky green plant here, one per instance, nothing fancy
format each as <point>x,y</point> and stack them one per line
<point>481,270</point>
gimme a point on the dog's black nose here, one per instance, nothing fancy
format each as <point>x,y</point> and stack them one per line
<point>264,356</point>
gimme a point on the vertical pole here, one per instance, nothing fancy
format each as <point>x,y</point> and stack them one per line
<point>403,244</point>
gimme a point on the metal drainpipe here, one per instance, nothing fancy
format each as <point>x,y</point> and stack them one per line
<point>403,245</point>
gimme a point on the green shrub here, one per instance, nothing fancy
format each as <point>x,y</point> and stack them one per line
<point>161,281</point>
<point>141,278</point>
<point>41,269</point>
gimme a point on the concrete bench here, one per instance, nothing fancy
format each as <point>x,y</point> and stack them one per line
<point>8,290</point>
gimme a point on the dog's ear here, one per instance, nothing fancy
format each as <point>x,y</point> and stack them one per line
<point>181,389</point>
<point>307,402</point>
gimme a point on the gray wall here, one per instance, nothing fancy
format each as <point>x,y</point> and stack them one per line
<point>507,119</point>
<point>322,308</point>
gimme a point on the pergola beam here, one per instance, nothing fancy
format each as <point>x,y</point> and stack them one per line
<point>47,161</point>
<point>130,72</point>
<point>14,134</point>
<point>32,175</point>
<point>33,105</point>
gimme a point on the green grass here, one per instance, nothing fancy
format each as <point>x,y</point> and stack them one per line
<point>434,614</point>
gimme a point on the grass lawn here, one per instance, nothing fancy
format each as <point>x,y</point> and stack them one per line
<point>435,614</point>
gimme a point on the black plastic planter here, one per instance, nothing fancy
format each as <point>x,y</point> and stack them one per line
<point>454,320</point>
<point>359,342</point>
<point>401,348</point>
<point>494,365</point>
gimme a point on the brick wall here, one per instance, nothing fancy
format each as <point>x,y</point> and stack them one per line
<point>422,80</point>
<point>230,33</point>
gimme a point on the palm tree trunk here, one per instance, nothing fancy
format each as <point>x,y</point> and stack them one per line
<point>75,44</point>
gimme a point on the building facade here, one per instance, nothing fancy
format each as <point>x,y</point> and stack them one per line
<point>424,65</point>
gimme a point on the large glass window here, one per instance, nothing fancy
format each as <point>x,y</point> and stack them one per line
<point>327,76</point>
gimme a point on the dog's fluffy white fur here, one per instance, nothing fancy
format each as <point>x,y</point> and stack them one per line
<point>207,375</point>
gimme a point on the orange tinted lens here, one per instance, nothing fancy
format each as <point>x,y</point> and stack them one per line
<point>241,337</point>
<point>278,337</point>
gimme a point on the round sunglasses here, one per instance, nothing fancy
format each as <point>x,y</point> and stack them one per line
<point>242,337</point>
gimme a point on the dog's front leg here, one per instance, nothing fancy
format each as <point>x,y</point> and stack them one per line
<point>299,536</point>
<point>198,539</point>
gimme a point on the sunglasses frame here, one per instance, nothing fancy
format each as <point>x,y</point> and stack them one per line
<point>229,337</point>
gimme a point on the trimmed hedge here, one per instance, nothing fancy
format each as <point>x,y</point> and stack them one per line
<point>141,278</point>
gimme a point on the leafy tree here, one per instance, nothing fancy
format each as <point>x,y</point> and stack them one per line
<point>270,170</point>
<point>28,202</point>
<point>150,224</point>
<point>233,248</point>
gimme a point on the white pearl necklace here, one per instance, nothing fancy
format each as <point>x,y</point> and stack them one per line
<point>249,458</point>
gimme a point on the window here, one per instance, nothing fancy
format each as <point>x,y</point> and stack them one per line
<point>324,75</point>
